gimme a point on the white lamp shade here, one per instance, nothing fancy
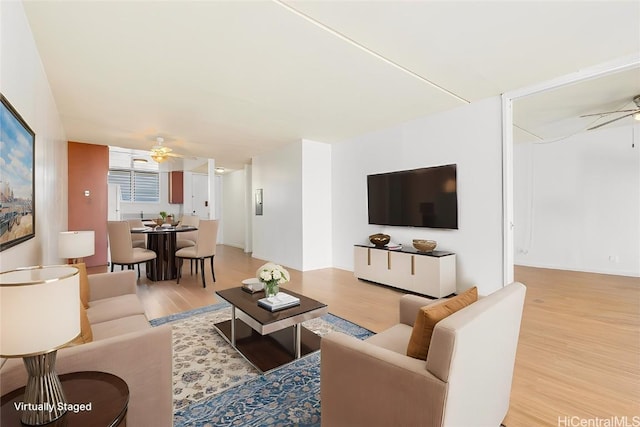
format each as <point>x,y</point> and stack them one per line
<point>76,244</point>
<point>39,309</point>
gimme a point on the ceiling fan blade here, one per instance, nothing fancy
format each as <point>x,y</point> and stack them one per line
<point>608,112</point>
<point>614,120</point>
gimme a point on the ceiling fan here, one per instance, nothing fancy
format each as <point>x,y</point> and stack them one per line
<point>160,152</point>
<point>633,112</point>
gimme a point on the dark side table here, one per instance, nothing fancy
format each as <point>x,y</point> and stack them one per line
<point>107,394</point>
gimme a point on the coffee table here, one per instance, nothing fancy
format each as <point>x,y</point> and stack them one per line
<point>269,339</point>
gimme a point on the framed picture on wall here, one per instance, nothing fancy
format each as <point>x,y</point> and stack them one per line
<point>17,178</point>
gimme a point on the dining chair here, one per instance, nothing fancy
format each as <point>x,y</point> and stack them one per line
<point>138,240</point>
<point>121,247</point>
<point>204,248</point>
<point>188,238</point>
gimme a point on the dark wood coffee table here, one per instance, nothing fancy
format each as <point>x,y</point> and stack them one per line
<point>107,393</point>
<point>269,339</point>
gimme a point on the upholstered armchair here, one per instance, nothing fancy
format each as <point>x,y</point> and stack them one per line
<point>465,380</point>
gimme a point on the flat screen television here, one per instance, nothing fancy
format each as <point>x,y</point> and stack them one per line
<point>425,197</point>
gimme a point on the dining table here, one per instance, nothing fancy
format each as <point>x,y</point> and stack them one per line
<point>162,240</point>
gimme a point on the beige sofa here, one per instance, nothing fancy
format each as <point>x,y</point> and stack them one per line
<point>124,344</point>
<point>465,381</point>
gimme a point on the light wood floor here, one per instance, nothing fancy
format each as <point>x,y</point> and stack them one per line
<point>579,348</point>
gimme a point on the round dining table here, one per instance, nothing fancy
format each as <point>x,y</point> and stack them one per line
<point>162,240</point>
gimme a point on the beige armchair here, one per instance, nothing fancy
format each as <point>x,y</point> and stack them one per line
<point>465,381</point>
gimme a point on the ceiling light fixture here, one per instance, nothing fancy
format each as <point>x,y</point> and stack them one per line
<point>636,116</point>
<point>158,157</point>
<point>159,148</point>
<point>219,169</point>
<point>159,152</point>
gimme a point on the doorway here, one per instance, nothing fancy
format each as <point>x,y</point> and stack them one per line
<point>508,100</point>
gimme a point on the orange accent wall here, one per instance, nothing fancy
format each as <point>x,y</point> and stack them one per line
<point>88,168</point>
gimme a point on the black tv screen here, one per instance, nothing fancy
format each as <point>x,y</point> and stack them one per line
<point>424,197</point>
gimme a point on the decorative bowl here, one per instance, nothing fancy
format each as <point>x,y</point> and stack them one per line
<point>424,245</point>
<point>379,239</point>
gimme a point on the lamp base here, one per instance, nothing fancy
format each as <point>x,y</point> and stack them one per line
<point>44,399</point>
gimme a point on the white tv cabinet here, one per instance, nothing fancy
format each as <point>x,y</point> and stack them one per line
<point>432,274</point>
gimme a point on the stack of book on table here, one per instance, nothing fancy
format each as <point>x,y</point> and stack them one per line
<point>279,302</point>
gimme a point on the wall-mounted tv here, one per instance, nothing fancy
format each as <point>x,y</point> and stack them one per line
<point>424,197</point>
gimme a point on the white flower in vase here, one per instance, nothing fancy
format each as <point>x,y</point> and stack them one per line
<point>272,275</point>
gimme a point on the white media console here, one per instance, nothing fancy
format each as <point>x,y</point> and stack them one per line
<point>431,273</point>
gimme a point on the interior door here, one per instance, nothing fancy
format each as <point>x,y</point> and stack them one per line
<point>200,195</point>
<point>113,202</point>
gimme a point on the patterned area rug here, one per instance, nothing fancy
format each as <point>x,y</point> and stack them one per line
<point>214,386</point>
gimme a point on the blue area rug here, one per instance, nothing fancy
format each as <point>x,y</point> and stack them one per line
<point>214,386</point>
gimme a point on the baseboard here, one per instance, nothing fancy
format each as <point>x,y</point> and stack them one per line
<point>233,246</point>
<point>583,270</point>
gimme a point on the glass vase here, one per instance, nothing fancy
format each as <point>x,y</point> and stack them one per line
<point>271,289</point>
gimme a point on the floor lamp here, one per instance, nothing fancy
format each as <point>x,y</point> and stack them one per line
<point>75,245</point>
<point>39,313</point>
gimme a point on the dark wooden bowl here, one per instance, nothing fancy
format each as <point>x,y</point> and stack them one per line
<point>379,239</point>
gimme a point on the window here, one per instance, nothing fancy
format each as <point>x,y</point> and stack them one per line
<point>136,186</point>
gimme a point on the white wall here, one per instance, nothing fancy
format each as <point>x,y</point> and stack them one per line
<point>214,188</point>
<point>25,85</point>
<point>577,202</point>
<point>248,206</point>
<point>295,228</point>
<point>217,208</point>
<point>469,136</point>
<point>187,203</point>
<point>234,212</point>
<point>277,234</point>
<point>316,205</point>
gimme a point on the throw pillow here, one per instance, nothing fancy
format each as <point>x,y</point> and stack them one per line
<point>427,318</point>
<point>84,283</point>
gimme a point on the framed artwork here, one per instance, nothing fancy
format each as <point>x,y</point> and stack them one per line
<point>17,178</point>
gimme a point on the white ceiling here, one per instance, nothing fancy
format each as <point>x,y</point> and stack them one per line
<point>233,79</point>
<point>556,114</point>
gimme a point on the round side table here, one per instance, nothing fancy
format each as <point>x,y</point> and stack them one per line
<point>107,394</point>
